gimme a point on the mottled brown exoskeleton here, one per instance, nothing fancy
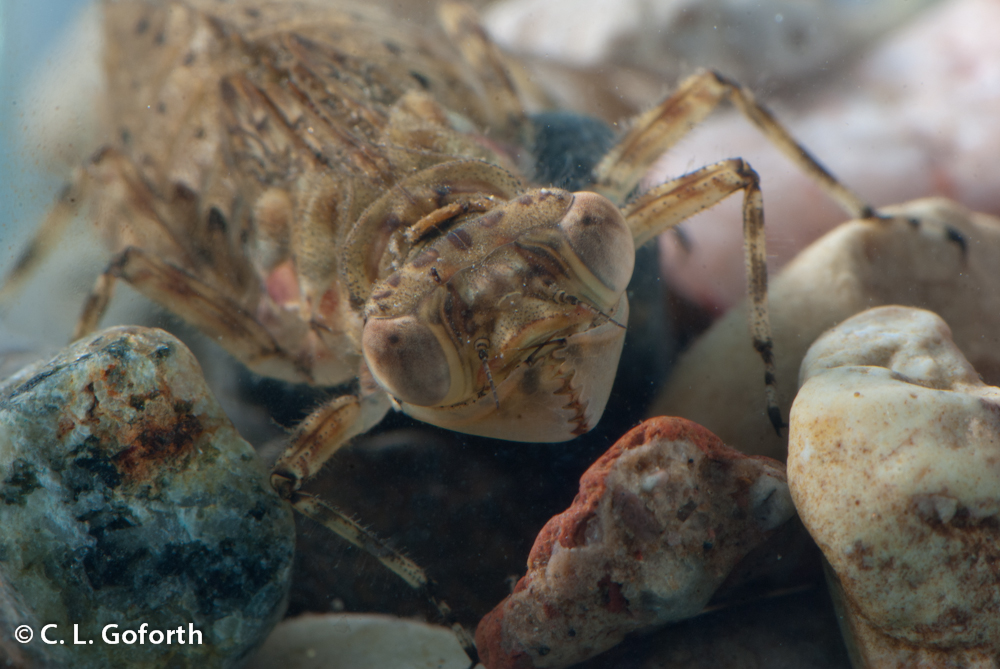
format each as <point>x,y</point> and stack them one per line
<point>331,195</point>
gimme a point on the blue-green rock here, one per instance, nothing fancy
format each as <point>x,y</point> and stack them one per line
<point>127,497</point>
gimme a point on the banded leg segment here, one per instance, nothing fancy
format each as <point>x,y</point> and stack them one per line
<point>655,131</point>
<point>335,520</point>
<point>313,443</point>
<point>667,205</point>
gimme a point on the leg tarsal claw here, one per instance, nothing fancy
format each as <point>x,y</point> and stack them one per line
<point>284,484</point>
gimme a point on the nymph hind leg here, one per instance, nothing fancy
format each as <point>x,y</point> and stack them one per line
<point>652,133</point>
<point>113,182</point>
<point>663,207</point>
<point>196,302</point>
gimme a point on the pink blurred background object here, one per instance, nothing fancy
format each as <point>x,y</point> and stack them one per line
<point>918,116</point>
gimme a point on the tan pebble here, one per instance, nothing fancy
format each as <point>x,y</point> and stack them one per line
<point>946,263</point>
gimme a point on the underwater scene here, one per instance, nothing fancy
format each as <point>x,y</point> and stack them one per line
<point>658,334</point>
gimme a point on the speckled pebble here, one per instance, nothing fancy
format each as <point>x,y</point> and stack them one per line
<point>128,498</point>
<point>894,466</point>
<point>659,522</point>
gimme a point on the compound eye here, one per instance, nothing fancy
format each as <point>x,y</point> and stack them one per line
<point>406,359</point>
<point>600,238</point>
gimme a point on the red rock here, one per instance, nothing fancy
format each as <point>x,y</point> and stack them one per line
<point>659,522</point>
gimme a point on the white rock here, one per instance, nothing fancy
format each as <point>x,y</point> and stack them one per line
<point>894,467</point>
<point>359,641</point>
